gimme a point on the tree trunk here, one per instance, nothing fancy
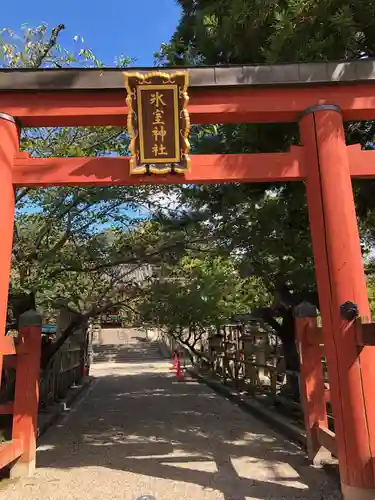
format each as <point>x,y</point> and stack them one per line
<point>52,349</point>
<point>287,333</point>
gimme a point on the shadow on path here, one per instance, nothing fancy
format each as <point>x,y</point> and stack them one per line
<point>151,425</point>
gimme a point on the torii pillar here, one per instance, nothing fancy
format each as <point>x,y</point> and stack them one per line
<point>340,278</point>
<point>9,147</point>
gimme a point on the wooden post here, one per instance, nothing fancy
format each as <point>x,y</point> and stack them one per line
<point>26,399</point>
<point>311,380</point>
<point>9,146</point>
<point>340,278</point>
<point>225,360</point>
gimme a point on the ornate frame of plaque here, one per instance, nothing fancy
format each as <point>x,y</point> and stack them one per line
<point>158,122</point>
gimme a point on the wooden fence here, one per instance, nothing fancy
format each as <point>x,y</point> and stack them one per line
<point>249,358</point>
<point>65,371</point>
<point>18,452</point>
<point>23,392</point>
<point>246,356</point>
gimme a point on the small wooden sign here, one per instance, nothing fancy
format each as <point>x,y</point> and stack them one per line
<point>158,122</point>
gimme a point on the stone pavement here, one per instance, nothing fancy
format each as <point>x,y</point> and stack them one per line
<point>138,432</point>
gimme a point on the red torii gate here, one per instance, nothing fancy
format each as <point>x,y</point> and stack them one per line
<point>320,97</point>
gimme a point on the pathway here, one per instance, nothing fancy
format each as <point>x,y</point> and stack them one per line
<point>140,432</point>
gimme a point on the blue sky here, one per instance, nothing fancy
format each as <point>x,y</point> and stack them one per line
<point>133,28</point>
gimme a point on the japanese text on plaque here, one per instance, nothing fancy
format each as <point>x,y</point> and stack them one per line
<point>158,132</point>
<point>158,122</point>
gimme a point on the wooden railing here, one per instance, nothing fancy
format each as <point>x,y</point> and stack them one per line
<point>20,401</point>
<point>250,359</point>
<point>314,389</point>
<point>19,451</point>
<point>257,367</point>
<point>65,371</point>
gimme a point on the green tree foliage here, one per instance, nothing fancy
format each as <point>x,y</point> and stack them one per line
<point>200,291</point>
<point>269,223</point>
<point>263,31</point>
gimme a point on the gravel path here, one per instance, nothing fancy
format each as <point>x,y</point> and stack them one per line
<point>139,432</point>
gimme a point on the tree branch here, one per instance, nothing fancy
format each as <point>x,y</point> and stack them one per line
<point>133,259</point>
<point>267,314</point>
<point>21,193</point>
<point>47,227</point>
<point>38,61</point>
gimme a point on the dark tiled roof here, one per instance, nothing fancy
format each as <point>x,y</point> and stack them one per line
<point>361,70</point>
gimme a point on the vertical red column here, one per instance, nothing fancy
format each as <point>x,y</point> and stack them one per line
<point>9,146</point>
<point>311,376</point>
<point>26,398</point>
<point>340,277</point>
